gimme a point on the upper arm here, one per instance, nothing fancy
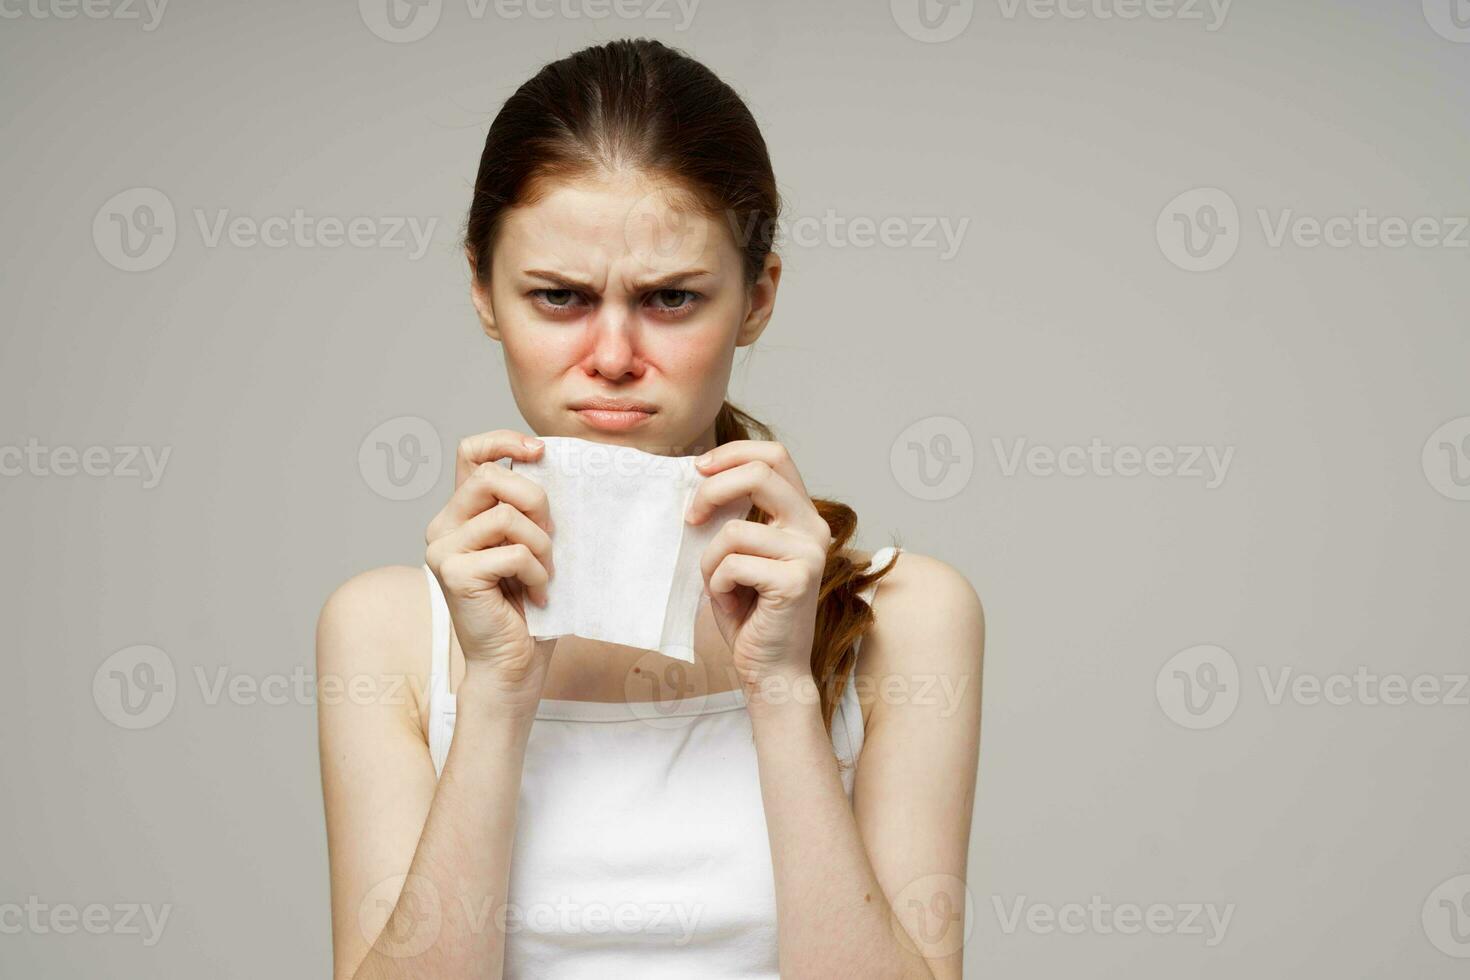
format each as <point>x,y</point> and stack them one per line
<point>914,791</point>
<point>377,777</point>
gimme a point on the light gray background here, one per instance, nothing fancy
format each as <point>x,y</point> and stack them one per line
<point>1327,548</point>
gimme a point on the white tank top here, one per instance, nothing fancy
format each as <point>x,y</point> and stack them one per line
<point>641,847</point>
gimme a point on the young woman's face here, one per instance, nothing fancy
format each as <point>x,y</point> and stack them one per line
<point>604,289</point>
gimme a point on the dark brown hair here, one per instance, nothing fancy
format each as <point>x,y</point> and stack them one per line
<point>636,105</point>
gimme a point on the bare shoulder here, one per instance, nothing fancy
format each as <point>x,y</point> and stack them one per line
<point>929,623</point>
<point>374,631</point>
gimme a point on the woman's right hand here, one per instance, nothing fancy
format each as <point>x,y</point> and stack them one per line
<point>490,548</point>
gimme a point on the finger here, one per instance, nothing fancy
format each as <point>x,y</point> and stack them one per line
<point>501,524</point>
<point>768,490</point>
<point>488,485</point>
<point>760,540</point>
<point>771,578</point>
<point>469,573</point>
<point>487,447</point>
<point>773,454</point>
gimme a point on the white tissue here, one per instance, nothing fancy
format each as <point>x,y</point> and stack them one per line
<point>626,563</point>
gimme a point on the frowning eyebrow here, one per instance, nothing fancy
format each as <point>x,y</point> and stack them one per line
<point>651,286</point>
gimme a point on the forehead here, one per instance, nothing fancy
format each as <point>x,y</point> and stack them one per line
<point>632,225</point>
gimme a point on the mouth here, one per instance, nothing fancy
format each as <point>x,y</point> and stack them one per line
<point>613,414</point>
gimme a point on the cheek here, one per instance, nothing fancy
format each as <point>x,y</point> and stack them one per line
<point>541,352</point>
<point>692,356</point>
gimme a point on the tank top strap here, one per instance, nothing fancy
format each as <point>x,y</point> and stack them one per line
<point>847,737</point>
<point>439,634</point>
<point>879,559</point>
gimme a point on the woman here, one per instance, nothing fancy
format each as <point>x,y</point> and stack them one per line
<point>807,812</point>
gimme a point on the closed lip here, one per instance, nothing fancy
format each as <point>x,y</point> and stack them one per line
<point>613,405</point>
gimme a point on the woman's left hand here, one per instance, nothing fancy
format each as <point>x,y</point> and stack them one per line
<point>763,579</point>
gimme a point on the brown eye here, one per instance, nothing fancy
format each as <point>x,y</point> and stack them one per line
<point>555,301</point>
<point>673,300</point>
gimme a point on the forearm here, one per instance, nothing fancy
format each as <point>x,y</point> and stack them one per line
<point>449,920</point>
<point>832,916</point>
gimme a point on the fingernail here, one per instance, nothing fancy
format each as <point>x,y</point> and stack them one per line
<point>703,460</point>
<point>530,443</point>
